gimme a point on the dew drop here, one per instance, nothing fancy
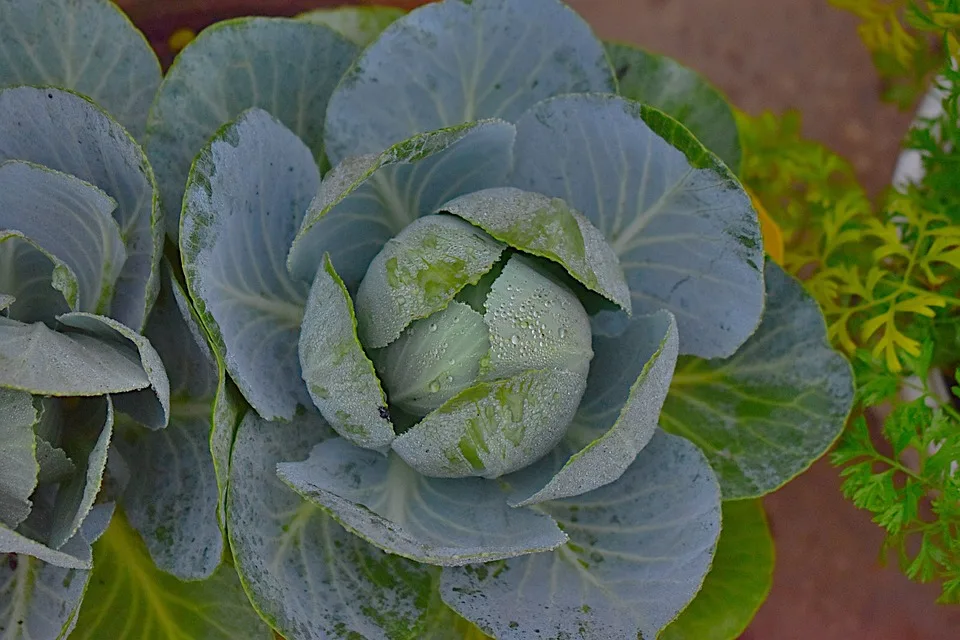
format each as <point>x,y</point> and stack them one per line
<point>433,327</point>
<point>515,339</point>
<point>435,386</point>
<point>562,332</point>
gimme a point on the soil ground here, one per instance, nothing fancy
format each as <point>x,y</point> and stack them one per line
<point>764,54</point>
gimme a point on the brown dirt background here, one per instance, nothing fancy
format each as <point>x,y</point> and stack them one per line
<point>764,54</point>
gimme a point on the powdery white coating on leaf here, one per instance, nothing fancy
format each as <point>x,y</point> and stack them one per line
<point>359,25</point>
<point>69,219</point>
<point>304,573</point>
<point>39,600</point>
<point>339,375</point>
<point>18,461</point>
<point>764,415</point>
<point>638,553</point>
<point>286,67</point>
<point>549,228</point>
<point>627,385</point>
<point>41,361</point>
<point>686,234</point>
<point>535,323</point>
<point>454,62</point>
<point>90,47</point>
<point>40,285</point>
<point>247,193</point>
<point>150,407</point>
<point>432,520</point>
<point>366,200</point>
<point>494,428</point>
<point>68,133</point>
<point>433,359</point>
<point>418,273</point>
<point>76,496</point>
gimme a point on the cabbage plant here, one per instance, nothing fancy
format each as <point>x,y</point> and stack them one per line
<point>504,360</point>
<point>464,325</point>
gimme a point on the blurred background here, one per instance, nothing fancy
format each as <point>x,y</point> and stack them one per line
<point>829,582</point>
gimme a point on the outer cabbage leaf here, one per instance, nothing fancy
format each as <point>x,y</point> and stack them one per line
<point>68,219</point>
<point>18,460</point>
<point>247,193</point>
<point>38,284</point>
<point>638,553</point>
<point>286,67</point>
<point>681,93</point>
<point>738,582</point>
<point>437,521</point>
<point>87,442</point>
<point>367,200</point>
<point>68,133</point>
<point>360,25</point>
<point>90,47</point>
<point>454,62</point>
<point>626,387</point>
<point>686,234</point>
<point>172,498</point>
<point>39,601</point>
<point>306,575</point>
<point>150,407</point>
<point>36,359</point>
<point>764,415</point>
<point>130,599</point>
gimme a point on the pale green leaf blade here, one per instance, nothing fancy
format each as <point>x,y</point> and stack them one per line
<point>431,520</point>
<point>13,542</point>
<point>626,388</point>
<point>367,200</point>
<point>738,582</point>
<point>339,375</point>
<point>286,67</point>
<point>18,459</point>
<point>91,429</point>
<point>41,361</point>
<point>494,428</point>
<point>39,601</point>
<point>434,359</point>
<point>764,415</point>
<point>535,322</point>
<point>639,550</point>
<point>418,273</point>
<point>686,234</point>
<point>549,228</point>
<point>247,193</point>
<point>150,407</point>
<point>130,599</point>
<point>54,463</point>
<point>90,47</point>
<point>172,497</point>
<point>454,62</point>
<point>67,133</point>
<point>229,409</point>
<point>681,93</point>
<point>40,285</point>
<point>69,219</point>
<point>360,25</point>
<point>305,574</point>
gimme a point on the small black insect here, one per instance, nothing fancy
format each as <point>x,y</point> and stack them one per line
<point>384,413</point>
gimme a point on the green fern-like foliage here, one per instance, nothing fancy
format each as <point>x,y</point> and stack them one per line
<point>907,39</point>
<point>887,275</point>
